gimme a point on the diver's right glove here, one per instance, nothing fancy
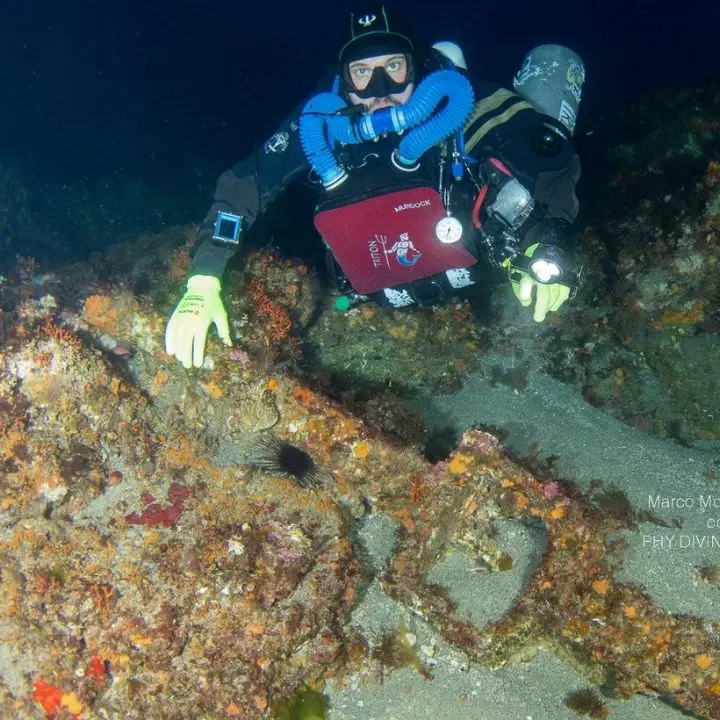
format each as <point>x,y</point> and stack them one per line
<point>548,298</point>
<point>187,329</point>
<point>540,283</point>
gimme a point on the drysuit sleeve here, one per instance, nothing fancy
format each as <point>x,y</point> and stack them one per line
<point>504,125</point>
<point>246,189</point>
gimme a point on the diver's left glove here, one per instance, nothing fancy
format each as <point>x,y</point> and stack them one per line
<point>200,307</point>
<point>548,296</point>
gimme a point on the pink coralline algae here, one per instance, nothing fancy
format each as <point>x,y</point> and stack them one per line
<point>551,490</point>
<point>239,355</point>
<point>157,514</point>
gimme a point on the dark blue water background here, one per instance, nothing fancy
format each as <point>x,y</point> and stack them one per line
<point>170,94</point>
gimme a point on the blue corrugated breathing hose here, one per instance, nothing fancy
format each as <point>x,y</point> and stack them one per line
<point>321,127</point>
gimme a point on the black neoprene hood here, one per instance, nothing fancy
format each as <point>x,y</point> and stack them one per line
<point>375,31</point>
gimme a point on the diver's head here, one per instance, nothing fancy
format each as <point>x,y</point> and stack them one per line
<point>379,60</point>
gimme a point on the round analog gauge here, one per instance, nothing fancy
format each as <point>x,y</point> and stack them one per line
<point>448,230</point>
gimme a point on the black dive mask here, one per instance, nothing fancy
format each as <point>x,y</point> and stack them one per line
<point>381,84</point>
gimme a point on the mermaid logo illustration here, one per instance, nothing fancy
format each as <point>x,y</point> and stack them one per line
<point>404,250</point>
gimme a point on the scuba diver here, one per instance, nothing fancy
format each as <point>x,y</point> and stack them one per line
<point>428,183</point>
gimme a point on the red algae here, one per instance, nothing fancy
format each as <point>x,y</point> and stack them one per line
<point>156,513</point>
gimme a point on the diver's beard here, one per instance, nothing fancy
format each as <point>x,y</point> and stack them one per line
<point>383,102</point>
<point>379,103</point>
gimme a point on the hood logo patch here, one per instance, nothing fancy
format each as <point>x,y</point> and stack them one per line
<point>367,20</point>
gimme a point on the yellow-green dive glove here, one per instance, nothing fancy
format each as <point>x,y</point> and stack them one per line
<point>548,296</point>
<point>199,308</point>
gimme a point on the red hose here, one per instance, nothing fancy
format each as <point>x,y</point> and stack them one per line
<point>479,200</point>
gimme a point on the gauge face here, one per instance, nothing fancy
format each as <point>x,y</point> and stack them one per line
<point>448,230</point>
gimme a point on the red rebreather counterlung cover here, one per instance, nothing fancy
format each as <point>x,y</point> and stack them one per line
<point>390,240</point>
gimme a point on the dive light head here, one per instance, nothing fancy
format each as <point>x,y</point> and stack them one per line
<point>548,265</point>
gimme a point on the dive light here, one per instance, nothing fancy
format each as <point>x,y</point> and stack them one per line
<point>547,265</point>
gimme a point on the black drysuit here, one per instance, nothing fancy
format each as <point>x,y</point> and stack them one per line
<point>502,125</point>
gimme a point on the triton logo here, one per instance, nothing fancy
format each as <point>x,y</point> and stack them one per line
<point>367,20</point>
<point>412,206</point>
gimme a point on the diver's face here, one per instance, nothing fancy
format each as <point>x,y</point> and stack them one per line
<point>361,72</point>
